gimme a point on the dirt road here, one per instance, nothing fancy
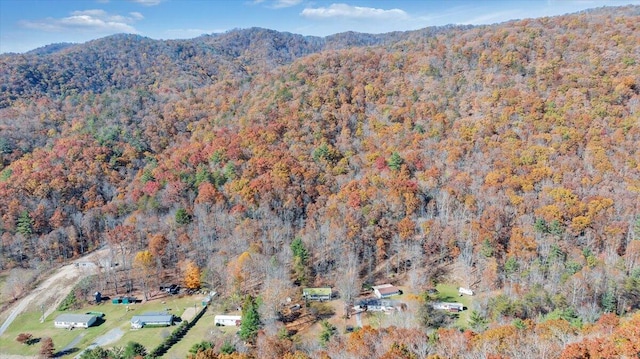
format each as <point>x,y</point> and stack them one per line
<point>48,294</point>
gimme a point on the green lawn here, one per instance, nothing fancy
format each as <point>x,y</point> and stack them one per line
<point>202,330</point>
<point>29,322</point>
<point>115,316</point>
<point>449,293</point>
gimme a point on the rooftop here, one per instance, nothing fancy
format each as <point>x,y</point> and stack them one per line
<point>76,318</point>
<point>386,289</point>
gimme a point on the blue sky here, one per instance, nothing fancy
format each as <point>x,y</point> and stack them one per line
<point>28,24</point>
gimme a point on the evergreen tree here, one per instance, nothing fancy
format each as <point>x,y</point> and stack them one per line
<point>25,224</point>
<point>250,323</point>
<point>133,350</point>
<point>227,348</point>
<point>540,226</point>
<point>299,250</point>
<point>636,228</point>
<point>183,217</point>
<point>609,301</point>
<point>477,321</point>
<point>511,265</point>
<point>328,330</point>
<point>395,161</point>
<point>487,248</point>
<point>96,353</point>
<point>300,257</point>
<point>200,347</point>
<point>519,323</point>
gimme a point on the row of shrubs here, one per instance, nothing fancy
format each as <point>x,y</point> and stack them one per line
<point>175,336</point>
<point>81,289</point>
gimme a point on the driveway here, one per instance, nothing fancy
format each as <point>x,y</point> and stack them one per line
<point>111,336</point>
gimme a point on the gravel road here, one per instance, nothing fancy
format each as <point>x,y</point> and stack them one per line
<point>48,292</point>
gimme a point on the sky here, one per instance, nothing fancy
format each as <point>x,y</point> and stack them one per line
<point>29,24</point>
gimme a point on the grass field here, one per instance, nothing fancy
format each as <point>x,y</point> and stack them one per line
<point>449,293</point>
<point>116,316</point>
<point>29,322</point>
<point>204,329</point>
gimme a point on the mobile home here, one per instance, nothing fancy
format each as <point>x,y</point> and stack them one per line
<point>227,320</point>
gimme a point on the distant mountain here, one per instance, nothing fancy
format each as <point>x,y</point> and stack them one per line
<point>129,61</point>
<point>50,49</point>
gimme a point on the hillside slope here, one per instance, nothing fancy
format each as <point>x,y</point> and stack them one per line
<point>510,151</point>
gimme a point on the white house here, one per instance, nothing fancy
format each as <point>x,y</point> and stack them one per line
<point>466,291</point>
<point>385,290</point>
<point>227,320</point>
<point>155,319</point>
<point>377,305</point>
<point>74,320</point>
<point>452,307</point>
<point>319,294</point>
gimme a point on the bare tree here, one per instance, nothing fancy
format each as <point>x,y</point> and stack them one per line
<point>348,280</point>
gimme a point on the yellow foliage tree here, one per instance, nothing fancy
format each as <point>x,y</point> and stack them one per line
<point>144,263</point>
<point>143,260</point>
<point>192,276</point>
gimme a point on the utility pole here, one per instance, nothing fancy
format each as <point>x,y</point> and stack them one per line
<point>42,310</point>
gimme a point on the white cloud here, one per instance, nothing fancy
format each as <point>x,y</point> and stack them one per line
<point>276,4</point>
<point>136,15</point>
<point>94,20</point>
<point>353,12</point>
<point>147,2</point>
<point>92,12</point>
<point>285,3</point>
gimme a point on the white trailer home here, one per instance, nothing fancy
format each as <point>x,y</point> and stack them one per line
<point>227,320</point>
<point>451,307</point>
<point>151,319</point>
<point>74,320</point>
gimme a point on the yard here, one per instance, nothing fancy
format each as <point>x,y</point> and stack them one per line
<point>449,293</point>
<point>205,330</point>
<point>116,316</point>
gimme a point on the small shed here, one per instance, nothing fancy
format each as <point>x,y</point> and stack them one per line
<point>128,300</point>
<point>208,299</point>
<point>74,320</point>
<point>227,320</point>
<point>385,290</point>
<point>318,294</point>
<point>466,291</point>
<point>151,318</point>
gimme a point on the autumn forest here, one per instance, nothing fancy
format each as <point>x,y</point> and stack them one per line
<point>503,158</point>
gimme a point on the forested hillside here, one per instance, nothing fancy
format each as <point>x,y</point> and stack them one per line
<point>504,157</point>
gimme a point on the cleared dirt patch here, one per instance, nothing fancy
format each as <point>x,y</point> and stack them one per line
<point>52,291</point>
